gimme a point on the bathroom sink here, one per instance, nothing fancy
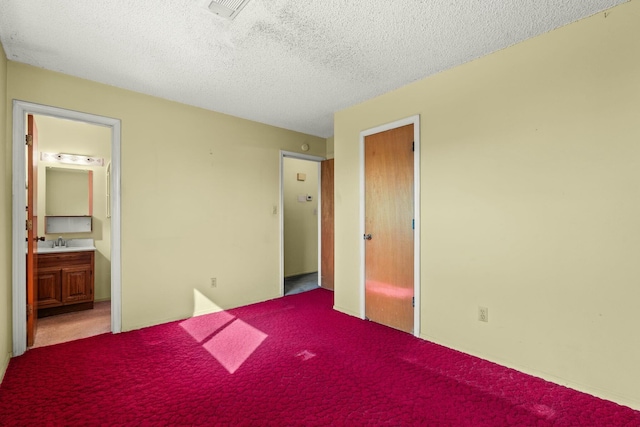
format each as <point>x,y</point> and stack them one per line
<point>71,245</point>
<point>59,249</point>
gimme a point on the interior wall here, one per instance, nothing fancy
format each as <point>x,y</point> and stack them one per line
<point>530,203</point>
<point>66,136</point>
<point>5,222</point>
<point>198,190</point>
<point>300,217</point>
<point>330,144</point>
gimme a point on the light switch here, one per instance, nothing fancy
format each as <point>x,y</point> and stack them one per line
<point>302,176</point>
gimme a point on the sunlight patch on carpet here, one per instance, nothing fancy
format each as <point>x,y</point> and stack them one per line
<point>202,327</point>
<point>543,411</point>
<point>305,355</point>
<point>233,345</point>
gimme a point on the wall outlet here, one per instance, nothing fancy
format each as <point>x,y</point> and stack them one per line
<point>483,314</point>
<point>214,282</point>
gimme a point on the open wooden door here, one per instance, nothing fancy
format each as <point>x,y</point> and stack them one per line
<point>327,257</point>
<point>389,239</point>
<point>32,229</point>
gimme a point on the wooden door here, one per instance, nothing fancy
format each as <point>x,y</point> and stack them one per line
<point>389,239</point>
<point>32,229</point>
<point>327,238</point>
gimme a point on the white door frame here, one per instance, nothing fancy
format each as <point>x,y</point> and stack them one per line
<point>19,299</point>
<point>299,156</point>
<point>415,120</point>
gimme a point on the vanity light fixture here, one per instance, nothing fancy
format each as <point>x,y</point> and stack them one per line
<point>72,159</point>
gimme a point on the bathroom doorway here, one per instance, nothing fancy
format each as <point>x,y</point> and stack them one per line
<point>64,190</point>
<point>106,211</point>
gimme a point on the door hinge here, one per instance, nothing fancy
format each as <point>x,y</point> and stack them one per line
<point>29,224</point>
<point>29,310</point>
<point>413,146</point>
<point>413,224</point>
<point>29,139</point>
<point>413,301</point>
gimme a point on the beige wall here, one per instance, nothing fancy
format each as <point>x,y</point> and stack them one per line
<point>5,222</point>
<point>330,143</point>
<point>300,218</point>
<point>198,189</point>
<point>530,203</point>
<point>66,136</point>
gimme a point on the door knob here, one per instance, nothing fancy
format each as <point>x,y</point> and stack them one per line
<point>367,237</point>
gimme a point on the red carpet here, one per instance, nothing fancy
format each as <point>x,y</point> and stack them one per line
<point>286,362</point>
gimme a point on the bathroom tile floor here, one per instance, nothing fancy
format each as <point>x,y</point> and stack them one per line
<point>73,326</point>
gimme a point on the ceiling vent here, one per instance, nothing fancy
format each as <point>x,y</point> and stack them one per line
<point>227,8</point>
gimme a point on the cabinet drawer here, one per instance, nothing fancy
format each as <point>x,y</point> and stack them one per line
<point>67,258</point>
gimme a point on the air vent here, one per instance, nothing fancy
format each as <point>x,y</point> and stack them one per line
<point>227,8</point>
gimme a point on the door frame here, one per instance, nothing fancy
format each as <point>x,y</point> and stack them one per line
<point>299,156</point>
<point>19,297</point>
<point>415,121</point>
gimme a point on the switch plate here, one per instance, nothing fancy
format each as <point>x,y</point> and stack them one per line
<point>214,282</point>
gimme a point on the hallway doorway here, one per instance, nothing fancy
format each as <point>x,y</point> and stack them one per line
<point>300,221</point>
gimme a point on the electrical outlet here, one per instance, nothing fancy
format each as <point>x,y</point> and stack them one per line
<point>214,282</point>
<point>483,314</point>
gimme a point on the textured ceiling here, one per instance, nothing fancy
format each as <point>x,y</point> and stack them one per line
<point>288,63</point>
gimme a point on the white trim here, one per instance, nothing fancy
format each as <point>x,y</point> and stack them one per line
<point>362,229</point>
<point>301,156</point>
<point>311,158</point>
<point>19,300</point>
<point>415,121</point>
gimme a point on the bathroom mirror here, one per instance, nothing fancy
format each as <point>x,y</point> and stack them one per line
<point>69,192</point>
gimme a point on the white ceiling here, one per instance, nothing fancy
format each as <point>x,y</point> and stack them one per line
<point>288,63</point>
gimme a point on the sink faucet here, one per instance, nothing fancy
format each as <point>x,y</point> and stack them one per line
<point>60,241</point>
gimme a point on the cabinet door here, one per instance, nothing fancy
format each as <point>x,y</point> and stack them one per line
<point>49,292</point>
<point>77,284</point>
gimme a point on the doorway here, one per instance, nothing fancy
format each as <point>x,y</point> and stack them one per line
<point>300,225</point>
<point>62,190</point>
<point>390,226</point>
<point>20,111</point>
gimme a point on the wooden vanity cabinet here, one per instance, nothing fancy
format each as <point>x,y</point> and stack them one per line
<point>49,288</point>
<point>65,282</point>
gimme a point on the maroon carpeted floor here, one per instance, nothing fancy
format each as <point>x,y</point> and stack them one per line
<point>286,362</point>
